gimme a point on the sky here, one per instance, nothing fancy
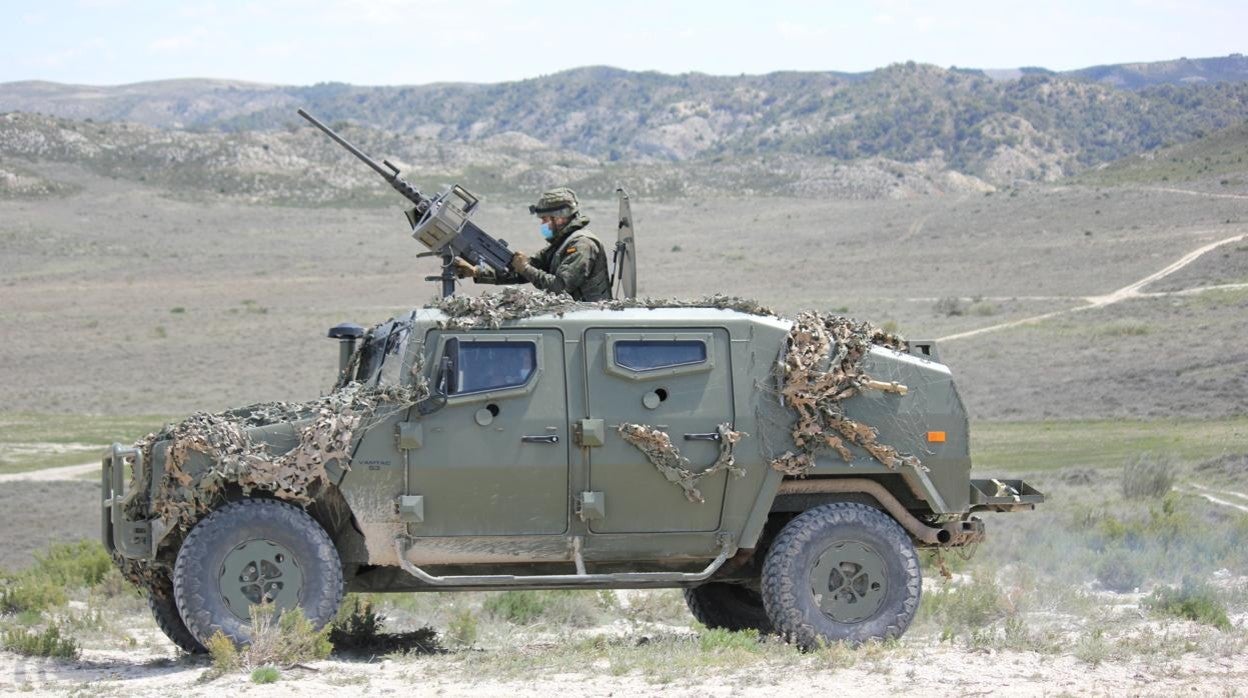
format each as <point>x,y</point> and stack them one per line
<point>410,42</point>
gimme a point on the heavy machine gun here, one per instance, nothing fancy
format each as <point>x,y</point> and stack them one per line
<point>441,223</point>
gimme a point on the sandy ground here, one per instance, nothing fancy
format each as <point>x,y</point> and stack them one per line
<point>908,669</point>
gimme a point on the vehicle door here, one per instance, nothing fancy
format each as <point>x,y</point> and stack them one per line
<point>679,382</point>
<point>494,460</point>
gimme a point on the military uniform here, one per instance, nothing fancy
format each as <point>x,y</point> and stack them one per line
<point>574,262</point>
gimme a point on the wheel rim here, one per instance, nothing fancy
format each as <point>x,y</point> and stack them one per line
<point>260,572</point>
<point>849,582</point>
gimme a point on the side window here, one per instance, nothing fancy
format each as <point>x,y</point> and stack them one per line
<point>646,356</point>
<point>652,355</point>
<point>484,366</point>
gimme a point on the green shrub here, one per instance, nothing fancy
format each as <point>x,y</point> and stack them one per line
<point>224,654</point>
<point>658,606</point>
<point>1192,600</point>
<point>357,623</point>
<point>288,639</point>
<point>62,566</point>
<point>1092,648</point>
<point>49,643</point>
<point>30,593</point>
<point>719,640</point>
<point>1118,571</point>
<point>1165,525</point>
<point>73,564</point>
<point>521,607</point>
<point>115,585</point>
<point>949,306</point>
<point>1146,476</point>
<point>966,606</point>
<point>265,674</point>
<point>357,628</point>
<point>461,631</point>
<point>984,308</point>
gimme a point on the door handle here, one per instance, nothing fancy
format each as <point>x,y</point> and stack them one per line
<point>544,439</point>
<point>708,436</point>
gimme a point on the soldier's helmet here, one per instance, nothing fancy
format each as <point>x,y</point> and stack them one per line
<point>558,203</point>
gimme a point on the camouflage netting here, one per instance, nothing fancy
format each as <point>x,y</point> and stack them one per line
<point>659,450</point>
<point>294,476</point>
<point>325,428</point>
<point>517,302</point>
<point>822,366</point>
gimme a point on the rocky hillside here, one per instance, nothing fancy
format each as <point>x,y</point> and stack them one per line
<point>1039,126</point>
<point>1134,76</point>
<point>303,167</point>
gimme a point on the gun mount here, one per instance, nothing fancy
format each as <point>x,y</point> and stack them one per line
<point>441,223</point>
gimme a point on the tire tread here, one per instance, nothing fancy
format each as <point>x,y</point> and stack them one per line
<point>194,607</point>
<point>782,582</point>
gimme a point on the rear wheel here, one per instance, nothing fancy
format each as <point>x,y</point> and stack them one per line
<point>841,572</point>
<point>253,552</point>
<point>728,606</point>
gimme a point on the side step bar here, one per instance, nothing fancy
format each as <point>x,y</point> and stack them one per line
<point>580,578</point>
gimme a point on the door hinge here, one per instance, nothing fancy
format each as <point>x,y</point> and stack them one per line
<point>591,505</point>
<point>590,432</point>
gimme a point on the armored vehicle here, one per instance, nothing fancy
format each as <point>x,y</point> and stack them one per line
<point>782,472</point>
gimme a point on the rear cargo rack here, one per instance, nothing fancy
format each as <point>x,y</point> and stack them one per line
<point>992,494</point>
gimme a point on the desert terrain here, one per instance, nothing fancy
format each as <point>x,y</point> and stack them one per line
<point>1085,330</point>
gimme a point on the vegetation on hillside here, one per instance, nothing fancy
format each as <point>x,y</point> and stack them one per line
<point>1040,126</point>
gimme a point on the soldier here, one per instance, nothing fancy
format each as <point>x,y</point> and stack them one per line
<point>573,262</point>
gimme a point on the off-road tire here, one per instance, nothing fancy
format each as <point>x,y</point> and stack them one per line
<point>201,564</point>
<point>728,606</point>
<point>165,609</point>
<point>788,588</point>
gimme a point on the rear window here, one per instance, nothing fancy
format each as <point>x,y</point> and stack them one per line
<point>651,354</point>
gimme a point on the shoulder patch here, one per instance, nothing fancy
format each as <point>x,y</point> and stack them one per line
<point>571,249</point>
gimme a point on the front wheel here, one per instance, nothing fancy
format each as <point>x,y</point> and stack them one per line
<point>164,607</point>
<point>253,552</point>
<point>841,572</point>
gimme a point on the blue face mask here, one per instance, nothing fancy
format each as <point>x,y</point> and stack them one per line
<point>546,231</point>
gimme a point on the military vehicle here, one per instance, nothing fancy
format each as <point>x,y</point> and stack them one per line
<point>781,471</point>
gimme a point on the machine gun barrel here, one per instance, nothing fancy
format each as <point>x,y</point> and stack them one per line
<point>441,222</point>
<point>392,176</point>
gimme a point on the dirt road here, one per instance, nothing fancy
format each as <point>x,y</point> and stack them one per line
<point>1127,292</point>
<point>66,472</point>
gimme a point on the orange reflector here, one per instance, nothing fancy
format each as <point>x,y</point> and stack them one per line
<point>936,437</point>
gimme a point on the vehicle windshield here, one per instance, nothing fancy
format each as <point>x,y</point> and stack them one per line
<point>381,360</point>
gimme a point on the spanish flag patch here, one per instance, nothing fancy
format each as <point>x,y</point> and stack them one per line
<point>571,250</point>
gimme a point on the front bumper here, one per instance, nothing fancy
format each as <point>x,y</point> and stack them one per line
<point>131,539</point>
